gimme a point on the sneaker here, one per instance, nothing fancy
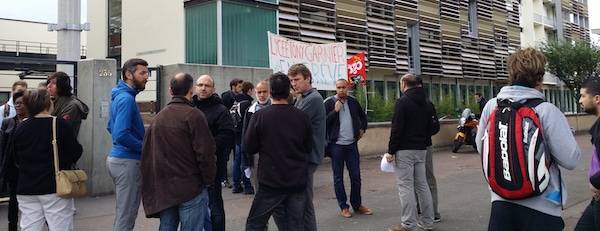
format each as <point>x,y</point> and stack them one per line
<point>237,190</point>
<point>346,213</point>
<point>437,219</point>
<point>422,226</point>
<point>398,228</point>
<point>250,191</point>
<point>364,210</point>
<point>226,184</point>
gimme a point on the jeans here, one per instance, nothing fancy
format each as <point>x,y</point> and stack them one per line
<point>509,216</point>
<point>409,168</point>
<point>127,177</point>
<point>265,203</point>
<point>590,219</point>
<point>349,155</point>
<point>207,222</point>
<point>190,214</point>
<point>217,211</point>
<point>238,170</point>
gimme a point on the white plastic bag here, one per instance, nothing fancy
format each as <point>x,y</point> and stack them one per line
<point>248,172</point>
<point>386,166</point>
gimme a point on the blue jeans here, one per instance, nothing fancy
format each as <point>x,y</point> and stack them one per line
<point>265,203</point>
<point>238,169</point>
<point>349,155</point>
<point>509,216</point>
<point>207,224</point>
<point>590,219</point>
<point>190,214</point>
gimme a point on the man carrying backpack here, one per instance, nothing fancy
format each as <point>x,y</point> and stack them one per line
<point>496,140</point>
<point>242,102</point>
<point>591,104</point>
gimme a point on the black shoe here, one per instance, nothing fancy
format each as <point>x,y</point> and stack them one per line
<point>249,191</point>
<point>226,184</point>
<point>237,190</point>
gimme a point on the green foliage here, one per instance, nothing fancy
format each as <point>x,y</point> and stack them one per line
<point>572,63</point>
<point>379,110</point>
<point>445,108</point>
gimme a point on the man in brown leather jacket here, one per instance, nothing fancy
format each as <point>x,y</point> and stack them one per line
<point>178,161</point>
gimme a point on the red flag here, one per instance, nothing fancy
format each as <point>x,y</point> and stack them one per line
<point>357,73</point>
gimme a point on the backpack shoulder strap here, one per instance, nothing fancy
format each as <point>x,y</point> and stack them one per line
<point>533,102</point>
<point>6,110</point>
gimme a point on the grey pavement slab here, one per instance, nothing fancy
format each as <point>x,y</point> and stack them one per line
<point>464,199</point>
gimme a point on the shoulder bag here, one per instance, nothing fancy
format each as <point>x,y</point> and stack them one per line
<point>69,183</point>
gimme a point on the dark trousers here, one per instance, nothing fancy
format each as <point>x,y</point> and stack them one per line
<point>265,202</point>
<point>13,204</point>
<point>509,216</point>
<point>340,155</point>
<point>215,203</point>
<point>590,219</point>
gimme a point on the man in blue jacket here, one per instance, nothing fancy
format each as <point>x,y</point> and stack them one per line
<point>127,129</point>
<point>346,123</point>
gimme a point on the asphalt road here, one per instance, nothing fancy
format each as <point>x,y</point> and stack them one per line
<point>464,200</point>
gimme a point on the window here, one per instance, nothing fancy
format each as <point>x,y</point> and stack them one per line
<point>472,17</point>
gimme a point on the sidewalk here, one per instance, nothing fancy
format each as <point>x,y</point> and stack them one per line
<point>464,200</point>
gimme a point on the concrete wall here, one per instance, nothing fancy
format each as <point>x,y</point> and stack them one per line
<point>95,87</point>
<point>221,75</point>
<point>375,141</point>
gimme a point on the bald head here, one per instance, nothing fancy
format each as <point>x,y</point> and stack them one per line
<point>205,87</point>
<point>408,81</point>
<point>182,85</point>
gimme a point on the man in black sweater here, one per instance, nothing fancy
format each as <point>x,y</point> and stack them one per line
<point>409,138</point>
<point>282,135</point>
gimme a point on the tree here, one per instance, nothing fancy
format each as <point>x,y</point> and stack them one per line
<point>572,62</point>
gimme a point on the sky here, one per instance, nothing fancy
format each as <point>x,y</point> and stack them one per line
<point>35,10</point>
<point>46,11</point>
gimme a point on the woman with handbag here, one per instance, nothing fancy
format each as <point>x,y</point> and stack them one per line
<point>33,151</point>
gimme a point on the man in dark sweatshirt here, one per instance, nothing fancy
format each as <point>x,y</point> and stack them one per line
<point>282,135</point>
<point>407,150</point>
<point>221,128</point>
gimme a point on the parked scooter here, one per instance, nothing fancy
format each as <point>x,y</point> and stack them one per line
<point>467,130</point>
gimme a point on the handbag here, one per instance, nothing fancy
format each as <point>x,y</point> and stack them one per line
<point>69,183</point>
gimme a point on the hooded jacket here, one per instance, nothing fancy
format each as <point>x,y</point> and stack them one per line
<point>411,122</point>
<point>220,125</point>
<point>125,123</point>
<point>72,110</point>
<point>560,143</point>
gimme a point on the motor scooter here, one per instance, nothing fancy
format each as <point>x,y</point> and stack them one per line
<point>467,130</point>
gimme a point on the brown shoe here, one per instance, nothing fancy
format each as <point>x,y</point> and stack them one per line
<point>364,210</point>
<point>346,213</point>
<point>422,226</point>
<point>398,228</point>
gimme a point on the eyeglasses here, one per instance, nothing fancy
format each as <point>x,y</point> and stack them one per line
<point>19,104</point>
<point>203,85</point>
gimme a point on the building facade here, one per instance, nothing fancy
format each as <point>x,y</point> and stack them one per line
<point>458,47</point>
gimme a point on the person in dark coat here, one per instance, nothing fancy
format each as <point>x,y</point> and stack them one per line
<point>9,173</point>
<point>221,128</point>
<point>178,161</point>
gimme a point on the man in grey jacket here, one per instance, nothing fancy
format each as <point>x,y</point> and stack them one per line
<point>525,77</point>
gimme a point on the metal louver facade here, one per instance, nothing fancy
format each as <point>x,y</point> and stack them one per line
<point>427,37</point>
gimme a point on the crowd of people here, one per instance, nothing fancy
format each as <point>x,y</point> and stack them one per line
<point>178,166</point>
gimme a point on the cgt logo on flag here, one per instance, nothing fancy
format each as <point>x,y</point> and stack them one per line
<point>357,73</point>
